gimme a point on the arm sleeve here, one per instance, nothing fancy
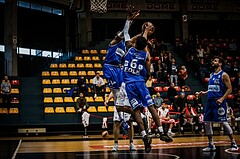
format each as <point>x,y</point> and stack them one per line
<point>125,30</point>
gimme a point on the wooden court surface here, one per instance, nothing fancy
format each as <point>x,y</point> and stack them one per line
<point>46,147</point>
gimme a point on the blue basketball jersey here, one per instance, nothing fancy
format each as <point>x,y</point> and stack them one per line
<point>216,87</point>
<point>134,68</point>
<point>115,53</point>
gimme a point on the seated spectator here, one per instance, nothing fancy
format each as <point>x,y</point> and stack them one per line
<point>98,85</point>
<point>202,69</point>
<point>159,71</point>
<point>181,102</point>
<point>173,72</point>
<point>189,115</point>
<point>172,94</point>
<point>81,103</point>
<point>149,85</point>
<point>158,100</point>
<point>82,87</point>
<point>182,76</point>
<point>230,119</point>
<point>6,92</point>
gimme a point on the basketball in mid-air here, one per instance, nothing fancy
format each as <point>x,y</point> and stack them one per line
<point>105,134</point>
<point>148,24</point>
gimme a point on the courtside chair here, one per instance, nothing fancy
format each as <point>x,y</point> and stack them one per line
<point>78,58</point>
<point>103,52</point>
<point>53,65</point>
<point>58,99</point>
<point>45,73</point>
<point>48,110</point>
<point>54,73</point>
<point>46,81</point>
<point>85,52</point>
<point>87,58</point>
<point>47,90</point>
<point>95,58</point>
<point>57,90</point>
<point>55,81</point>
<point>62,65</point>
<point>93,52</point>
<point>73,73</point>
<point>59,110</point>
<point>48,100</point>
<point>82,73</point>
<point>80,65</point>
<point>64,73</point>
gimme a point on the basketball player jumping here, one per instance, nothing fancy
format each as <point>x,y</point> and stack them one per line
<point>219,87</point>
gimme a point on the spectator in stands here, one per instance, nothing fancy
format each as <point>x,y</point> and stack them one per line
<point>173,72</point>
<point>227,66</point>
<point>236,83</point>
<point>181,102</point>
<point>81,103</point>
<point>158,100</point>
<point>182,76</point>
<point>200,51</point>
<point>149,85</point>
<point>197,104</point>
<point>82,87</point>
<point>172,94</point>
<point>202,69</point>
<point>232,45</point>
<point>6,92</point>
<point>235,69</point>
<point>98,85</point>
<point>159,70</point>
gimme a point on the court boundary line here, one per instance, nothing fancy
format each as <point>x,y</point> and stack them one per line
<point>15,152</point>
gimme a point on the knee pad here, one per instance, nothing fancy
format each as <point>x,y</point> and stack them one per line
<point>208,128</point>
<point>227,128</point>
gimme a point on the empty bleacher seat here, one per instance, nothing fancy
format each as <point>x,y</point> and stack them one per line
<point>82,73</point>
<point>102,109</point>
<point>90,81</point>
<point>89,99</point>
<point>73,73</point>
<point>70,110</point>
<point>158,89</point>
<point>97,65</point>
<point>190,97</point>
<point>53,65</point>
<point>66,89</point>
<point>63,73</point>
<point>78,58</point>
<point>154,80</point>
<point>62,65</point>
<point>71,65</point>
<point>48,110</point>
<point>74,81</point>
<point>87,58</point>
<point>58,99</point>
<point>14,100</point>
<point>59,110</point>
<point>65,81</point>
<point>15,82</point>
<point>85,51</point>
<point>57,90</point>
<point>108,89</point>
<point>68,100</point>
<point>45,73</point>
<point>93,52</point>
<point>165,88</point>
<point>13,111</point>
<point>110,108</point>
<point>88,65</point>
<point>48,100</point>
<point>47,90</point>
<point>205,80</point>
<point>3,110</point>
<point>99,99</point>
<point>46,81</point>
<point>15,91</point>
<point>101,73</point>
<point>80,65</point>
<point>55,81</point>
<point>103,52</point>
<point>54,73</point>
<point>91,73</point>
<point>95,58</point>
<point>92,109</point>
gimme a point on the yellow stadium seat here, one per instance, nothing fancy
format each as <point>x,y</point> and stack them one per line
<point>99,99</point>
<point>103,52</point>
<point>63,73</point>
<point>110,108</point>
<point>66,89</point>
<point>54,73</point>
<point>62,65</point>
<point>105,81</point>
<point>74,81</point>
<point>87,58</point>
<point>65,81</point>
<point>48,100</point>
<point>54,65</point>
<point>91,73</point>
<point>97,65</point>
<point>80,65</point>
<point>89,99</point>
<point>95,58</point>
<point>102,109</point>
<point>15,91</point>
<point>89,90</point>
<point>85,51</point>
<point>82,73</point>
<point>57,90</point>
<point>55,81</point>
<point>90,81</point>
<point>13,111</point>
<point>68,100</point>
<point>88,65</point>
<point>78,58</point>
<point>92,109</point>
<point>70,110</point>
<point>75,99</point>
<point>73,73</point>
<point>47,90</point>
<point>46,81</point>
<point>59,110</point>
<point>48,110</point>
<point>108,89</point>
<point>58,99</point>
<point>103,58</point>
<point>45,73</point>
<point>71,65</point>
<point>93,52</point>
<point>101,73</point>
<point>3,110</point>
<point>87,81</point>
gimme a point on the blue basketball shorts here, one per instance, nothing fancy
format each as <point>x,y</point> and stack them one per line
<point>113,76</point>
<point>214,112</point>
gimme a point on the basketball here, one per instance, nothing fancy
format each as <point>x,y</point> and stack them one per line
<point>105,134</point>
<point>148,24</point>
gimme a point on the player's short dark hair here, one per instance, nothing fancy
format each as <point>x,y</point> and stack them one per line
<point>141,43</point>
<point>219,58</point>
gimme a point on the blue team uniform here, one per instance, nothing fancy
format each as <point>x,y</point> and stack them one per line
<point>134,75</point>
<point>216,89</point>
<point>111,67</point>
